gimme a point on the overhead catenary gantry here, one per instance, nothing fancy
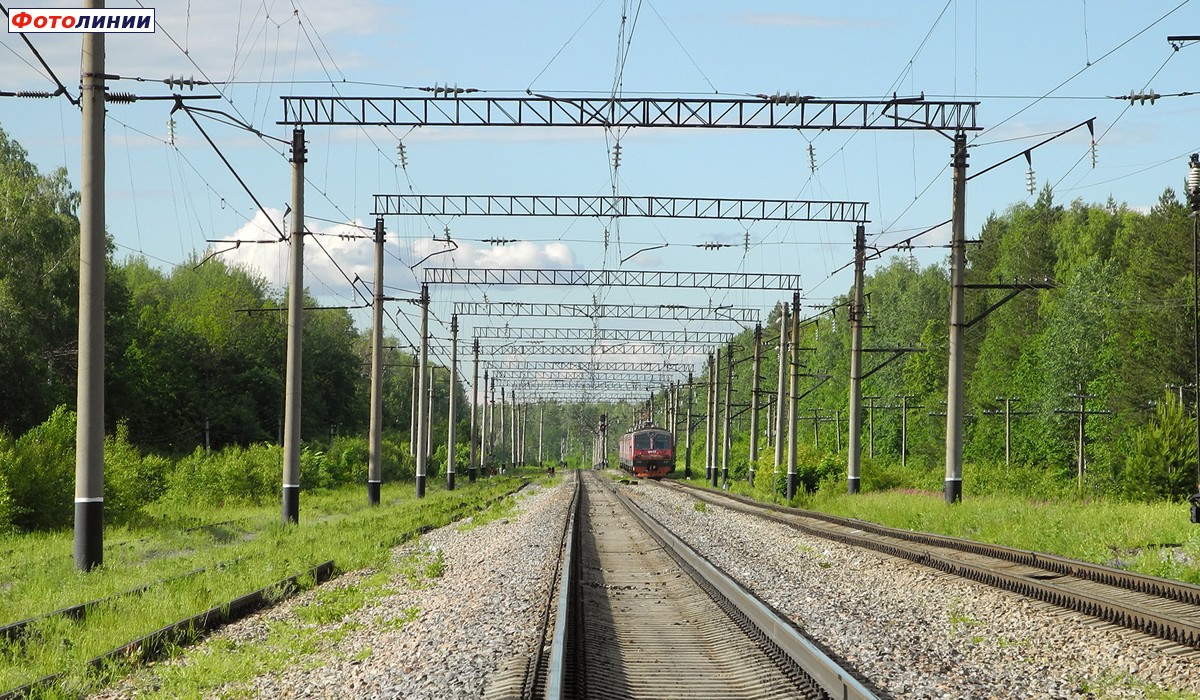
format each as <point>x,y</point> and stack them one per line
<point>787,112</point>
<point>613,206</point>
<point>592,365</point>
<point>756,112</point>
<point>656,350</point>
<point>612,278</point>
<point>633,335</point>
<point>535,375</point>
<point>661,312</point>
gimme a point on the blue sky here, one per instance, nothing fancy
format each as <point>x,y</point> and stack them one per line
<point>1035,67</point>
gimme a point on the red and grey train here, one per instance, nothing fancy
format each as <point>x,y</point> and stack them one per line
<point>647,452</point>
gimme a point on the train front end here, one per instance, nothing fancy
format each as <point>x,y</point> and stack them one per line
<point>651,453</point>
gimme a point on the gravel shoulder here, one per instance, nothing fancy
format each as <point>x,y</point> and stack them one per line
<point>455,606</point>
<point>918,633</point>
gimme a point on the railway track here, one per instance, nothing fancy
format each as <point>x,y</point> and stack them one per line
<point>1155,606</point>
<point>640,615</point>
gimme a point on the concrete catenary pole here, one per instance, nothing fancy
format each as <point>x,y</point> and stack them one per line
<point>500,435</point>
<point>89,432</point>
<point>708,421</point>
<point>295,340</point>
<point>475,442</point>
<point>541,431</point>
<point>422,389</point>
<point>375,449</point>
<point>412,411</point>
<point>854,457</point>
<point>754,380</point>
<point>780,397</point>
<point>451,438</point>
<point>716,412</point>
<point>727,421</point>
<point>793,396</point>
<point>714,384</point>
<point>687,437</point>
<point>958,258</point>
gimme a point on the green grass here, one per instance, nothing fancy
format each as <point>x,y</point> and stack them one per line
<point>1150,538</point>
<point>335,525</point>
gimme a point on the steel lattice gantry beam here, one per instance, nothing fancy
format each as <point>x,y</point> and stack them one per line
<point>589,366</point>
<point>618,206</point>
<point>632,335</point>
<point>757,112</point>
<point>667,312</point>
<point>524,384</point>
<point>632,349</point>
<point>613,278</point>
<point>534,375</point>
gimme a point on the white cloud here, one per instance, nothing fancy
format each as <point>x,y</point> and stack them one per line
<point>338,251</point>
<point>252,45</point>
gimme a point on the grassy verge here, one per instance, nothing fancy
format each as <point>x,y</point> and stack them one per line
<point>1150,538</point>
<point>354,536</point>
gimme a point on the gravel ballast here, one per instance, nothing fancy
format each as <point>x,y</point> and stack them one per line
<point>423,636</point>
<point>914,632</point>
<point>918,633</point>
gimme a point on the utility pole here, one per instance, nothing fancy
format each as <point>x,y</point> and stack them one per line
<point>1082,413</point>
<point>451,447</point>
<point>717,413</point>
<point>1008,413</point>
<point>428,415</point>
<point>687,459</point>
<point>501,436</point>
<point>475,441</point>
<point>871,423</point>
<point>423,375</point>
<point>727,444</point>
<point>754,379</point>
<point>89,433</point>
<point>958,261</point>
<point>854,458</point>
<point>490,400</point>
<point>375,449</point>
<point>295,340</point>
<point>779,395</point>
<point>904,409</point>
<point>708,422</point>
<point>412,411</point>
<point>793,400</point>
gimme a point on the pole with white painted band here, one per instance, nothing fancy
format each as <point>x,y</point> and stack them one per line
<point>89,434</point>
<point>295,340</point>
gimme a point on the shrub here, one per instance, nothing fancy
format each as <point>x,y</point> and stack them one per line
<point>40,472</point>
<point>232,475</point>
<point>130,480</point>
<point>1162,460</point>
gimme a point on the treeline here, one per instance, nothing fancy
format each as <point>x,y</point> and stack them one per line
<point>1114,334</point>
<point>194,360</point>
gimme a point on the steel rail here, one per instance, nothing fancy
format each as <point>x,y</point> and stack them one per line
<point>781,631</point>
<point>1055,588</point>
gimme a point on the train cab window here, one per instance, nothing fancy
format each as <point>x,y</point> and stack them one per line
<point>662,441</point>
<point>641,441</point>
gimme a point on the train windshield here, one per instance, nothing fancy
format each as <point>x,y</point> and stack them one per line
<point>662,441</point>
<point>641,441</point>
